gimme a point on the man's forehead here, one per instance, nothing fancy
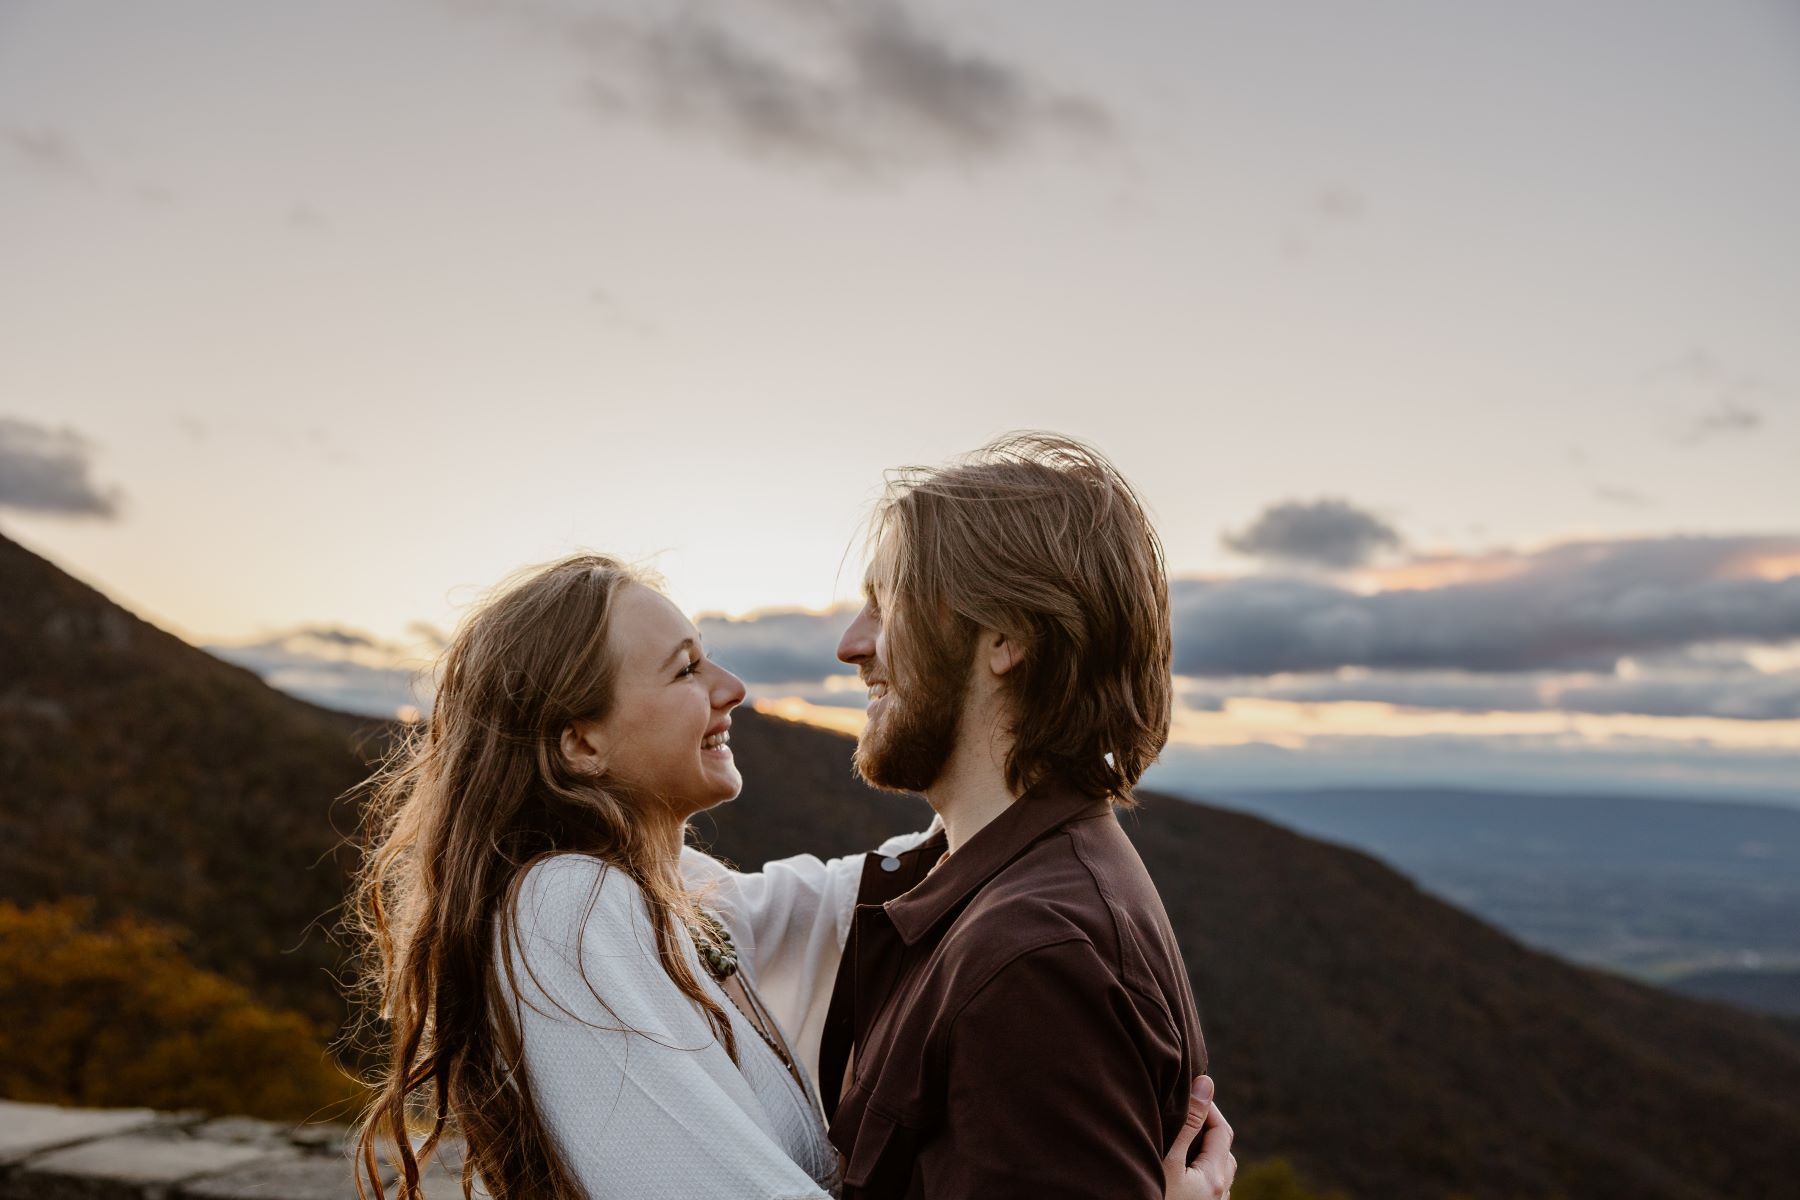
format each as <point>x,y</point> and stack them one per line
<point>880,570</point>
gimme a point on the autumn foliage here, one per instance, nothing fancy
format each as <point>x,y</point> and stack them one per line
<point>114,1014</point>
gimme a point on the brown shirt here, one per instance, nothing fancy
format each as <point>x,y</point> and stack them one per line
<point>1021,1021</point>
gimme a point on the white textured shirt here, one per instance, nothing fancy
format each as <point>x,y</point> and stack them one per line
<point>635,1088</point>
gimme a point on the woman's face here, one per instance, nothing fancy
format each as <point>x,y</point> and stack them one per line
<point>666,735</point>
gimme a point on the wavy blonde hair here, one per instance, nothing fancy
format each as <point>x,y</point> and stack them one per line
<point>454,819</point>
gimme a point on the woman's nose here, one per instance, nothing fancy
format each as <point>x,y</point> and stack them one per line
<point>730,692</point>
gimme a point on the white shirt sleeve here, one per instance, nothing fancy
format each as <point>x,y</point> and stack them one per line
<point>639,1095</point>
<point>790,921</point>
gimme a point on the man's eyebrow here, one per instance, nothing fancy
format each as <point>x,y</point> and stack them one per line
<point>686,644</point>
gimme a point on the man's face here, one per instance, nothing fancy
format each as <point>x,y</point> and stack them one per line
<point>916,698</point>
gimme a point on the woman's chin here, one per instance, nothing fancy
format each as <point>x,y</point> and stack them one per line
<point>726,789</point>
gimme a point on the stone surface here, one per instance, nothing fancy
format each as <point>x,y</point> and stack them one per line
<point>244,1130</point>
<point>27,1129</point>
<point>310,1178</point>
<point>129,1164</point>
<point>55,1153</point>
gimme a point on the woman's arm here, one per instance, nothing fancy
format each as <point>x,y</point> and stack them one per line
<point>790,920</point>
<point>639,1096</point>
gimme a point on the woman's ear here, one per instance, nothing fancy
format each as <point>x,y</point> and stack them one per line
<point>1002,653</point>
<point>583,748</point>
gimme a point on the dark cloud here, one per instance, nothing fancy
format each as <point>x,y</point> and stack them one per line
<point>1540,762</point>
<point>47,470</point>
<point>1577,606</point>
<point>1322,533</point>
<point>778,646</point>
<point>872,87</point>
<point>1733,691</point>
<point>1549,634</point>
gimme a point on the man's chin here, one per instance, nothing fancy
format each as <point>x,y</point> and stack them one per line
<point>885,771</point>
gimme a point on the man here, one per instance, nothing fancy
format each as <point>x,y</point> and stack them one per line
<point>1011,1016</point>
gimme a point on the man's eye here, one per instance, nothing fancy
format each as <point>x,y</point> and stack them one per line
<point>693,668</point>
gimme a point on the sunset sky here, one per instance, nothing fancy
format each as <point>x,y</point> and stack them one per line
<point>1453,347</point>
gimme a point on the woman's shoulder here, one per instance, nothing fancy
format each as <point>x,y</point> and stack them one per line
<point>561,896</point>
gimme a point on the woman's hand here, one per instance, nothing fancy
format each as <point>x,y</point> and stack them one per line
<point>1210,1175</point>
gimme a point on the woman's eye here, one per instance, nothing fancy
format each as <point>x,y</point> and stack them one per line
<point>693,668</point>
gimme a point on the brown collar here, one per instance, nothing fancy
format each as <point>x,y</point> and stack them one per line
<point>1044,808</point>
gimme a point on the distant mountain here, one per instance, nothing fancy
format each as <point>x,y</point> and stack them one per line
<point>1385,1041</point>
<point>1775,992</point>
<point>1654,887</point>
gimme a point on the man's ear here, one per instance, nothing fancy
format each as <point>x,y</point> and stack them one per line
<point>1000,652</point>
<point>583,749</point>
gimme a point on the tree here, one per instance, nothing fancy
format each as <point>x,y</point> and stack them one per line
<point>114,1014</point>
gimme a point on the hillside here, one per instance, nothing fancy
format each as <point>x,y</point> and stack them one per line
<point>1383,1040</point>
<point>161,781</point>
<point>1774,992</point>
<point>1656,888</point>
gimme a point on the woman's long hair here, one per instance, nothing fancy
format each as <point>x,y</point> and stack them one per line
<point>454,819</point>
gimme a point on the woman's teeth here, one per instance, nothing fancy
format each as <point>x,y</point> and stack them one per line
<point>716,740</point>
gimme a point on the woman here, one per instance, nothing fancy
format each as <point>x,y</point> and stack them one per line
<point>551,984</point>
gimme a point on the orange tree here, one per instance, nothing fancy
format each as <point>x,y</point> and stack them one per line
<point>115,1014</point>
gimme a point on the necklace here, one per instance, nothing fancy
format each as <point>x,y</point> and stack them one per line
<point>717,951</point>
<point>719,955</point>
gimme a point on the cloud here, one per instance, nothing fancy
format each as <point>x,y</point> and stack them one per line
<point>1575,606</point>
<point>48,153</point>
<point>1706,397</point>
<point>778,646</point>
<point>304,218</point>
<point>1629,497</point>
<point>343,669</point>
<point>1730,690</point>
<point>1658,626</point>
<point>45,470</point>
<point>1324,533</point>
<point>1727,416</point>
<point>1339,204</point>
<point>869,87</point>
<point>1539,762</point>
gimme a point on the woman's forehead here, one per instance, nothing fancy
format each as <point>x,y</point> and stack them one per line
<point>649,627</point>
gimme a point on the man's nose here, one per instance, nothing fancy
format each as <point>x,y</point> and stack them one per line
<point>858,642</point>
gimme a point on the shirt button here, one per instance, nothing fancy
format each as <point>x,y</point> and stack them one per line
<point>890,863</point>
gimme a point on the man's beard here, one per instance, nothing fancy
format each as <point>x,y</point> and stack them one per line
<point>906,749</point>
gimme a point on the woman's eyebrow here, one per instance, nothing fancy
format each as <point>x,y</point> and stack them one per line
<point>687,644</point>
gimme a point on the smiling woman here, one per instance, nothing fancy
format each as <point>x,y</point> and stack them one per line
<point>667,735</point>
<point>528,933</point>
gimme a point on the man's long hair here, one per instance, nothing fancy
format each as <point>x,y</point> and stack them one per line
<point>1039,537</point>
<point>454,820</point>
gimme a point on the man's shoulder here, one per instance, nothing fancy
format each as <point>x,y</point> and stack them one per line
<point>1086,884</point>
<point>1057,891</point>
<point>1087,872</point>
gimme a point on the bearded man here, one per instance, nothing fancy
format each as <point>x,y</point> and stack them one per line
<point>1011,1016</point>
